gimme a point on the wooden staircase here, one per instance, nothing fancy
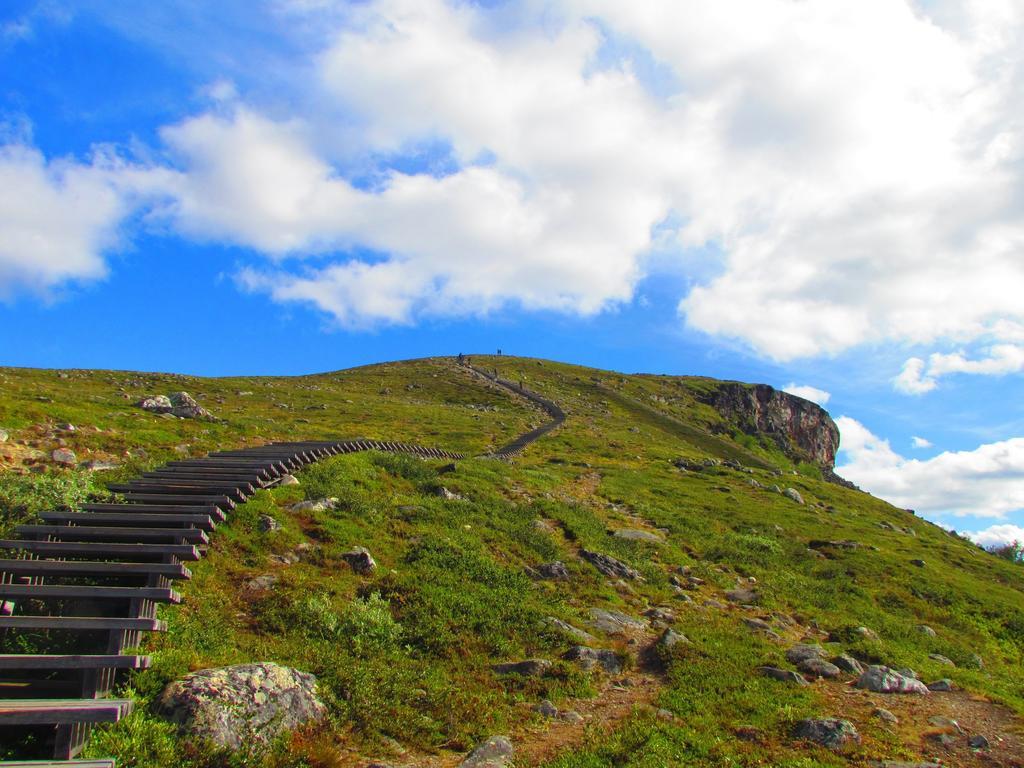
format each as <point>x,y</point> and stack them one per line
<point>86,584</point>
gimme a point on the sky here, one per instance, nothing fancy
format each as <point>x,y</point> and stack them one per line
<point>825,197</point>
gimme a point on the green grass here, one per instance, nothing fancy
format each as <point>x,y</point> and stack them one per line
<point>406,654</point>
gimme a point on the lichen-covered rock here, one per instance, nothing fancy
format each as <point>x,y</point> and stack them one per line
<point>609,566</point>
<point>184,406</point>
<point>314,505</point>
<point>803,651</point>
<point>634,534</point>
<point>64,456</point>
<point>266,524</point>
<point>555,571</point>
<point>573,632</point>
<point>496,752</point>
<point>670,638</point>
<point>885,680</point>
<point>613,622</point>
<point>526,668</point>
<point>783,675</point>
<point>361,561</point>
<point>849,664</point>
<point>830,732</point>
<point>794,495</point>
<point>156,404</point>
<point>819,668</point>
<point>588,658</point>
<point>944,685</point>
<point>241,704</point>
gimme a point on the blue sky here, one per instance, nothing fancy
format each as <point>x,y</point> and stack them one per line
<point>291,186</point>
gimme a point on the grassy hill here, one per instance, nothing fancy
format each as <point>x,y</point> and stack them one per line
<point>404,657</point>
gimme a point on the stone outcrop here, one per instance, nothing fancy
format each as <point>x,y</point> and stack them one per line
<point>802,429</point>
<point>242,704</point>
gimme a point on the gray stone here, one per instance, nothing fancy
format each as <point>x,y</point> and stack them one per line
<point>447,495</point>
<point>670,638</point>
<point>783,675</point>
<point>941,659</point>
<point>867,634</point>
<point>924,629</point>
<point>156,404</point>
<point>588,658</point>
<point>569,629</point>
<point>803,651</point>
<point>977,742</point>
<point>794,494</point>
<point>946,723</point>
<point>95,465</point>
<point>945,685</point>
<point>758,625</point>
<point>976,662</point>
<point>570,716</point>
<point>184,406</point>
<point>288,480</point>
<point>262,583</point>
<point>526,668</point>
<point>907,672</point>
<point>830,732</point>
<point>882,679</point>
<point>238,705</point>
<point>360,559</point>
<point>3,436</point>
<point>267,524</point>
<point>314,505</point>
<point>546,709</point>
<point>918,562</point>
<point>711,603</point>
<point>660,614</point>
<point>743,595</point>
<point>885,716</point>
<point>613,622</point>
<point>847,663</point>
<point>609,566</point>
<point>555,571</point>
<point>496,752</point>
<point>64,456</point>
<point>819,668</point>
<point>633,534</point>
<point>67,427</point>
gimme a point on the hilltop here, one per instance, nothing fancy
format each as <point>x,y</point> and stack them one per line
<point>690,532</point>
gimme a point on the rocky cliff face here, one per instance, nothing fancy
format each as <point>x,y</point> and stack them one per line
<point>802,429</point>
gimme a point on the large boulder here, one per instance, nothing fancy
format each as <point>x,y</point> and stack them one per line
<point>496,752</point>
<point>179,404</point>
<point>246,703</point>
<point>885,680</point>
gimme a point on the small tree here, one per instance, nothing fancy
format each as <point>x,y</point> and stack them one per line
<point>1013,552</point>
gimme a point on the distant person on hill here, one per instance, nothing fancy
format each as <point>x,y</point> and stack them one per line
<point>462,359</point>
<point>499,353</point>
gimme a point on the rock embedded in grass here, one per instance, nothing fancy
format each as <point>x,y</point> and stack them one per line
<point>885,716</point>
<point>783,675</point>
<point>945,685</point>
<point>830,732</point>
<point>609,566</point>
<point>794,495</point>
<point>266,524</point>
<point>314,505</point>
<point>288,480</point>
<point>743,596</point>
<point>64,456</point>
<point>670,638</point>
<point>360,560</point>
<point>525,668</point>
<point>924,629</point>
<point>569,629</point>
<point>588,658</point>
<point>804,651</point>
<point>237,706</point>
<point>944,660</point>
<point>634,534</point>
<point>496,752</point>
<point>881,679</point>
<point>819,668</point>
<point>554,571</point>
<point>847,663</point>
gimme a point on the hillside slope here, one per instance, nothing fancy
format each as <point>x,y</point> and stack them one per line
<point>405,655</point>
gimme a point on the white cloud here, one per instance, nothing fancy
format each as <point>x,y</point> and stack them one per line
<point>920,442</point>
<point>815,395</point>
<point>916,378</point>
<point>997,535</point>
<point>846,191</point>
<point>985,482</point>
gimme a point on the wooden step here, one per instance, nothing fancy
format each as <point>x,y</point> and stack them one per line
<point>62,591</point>
<point>97,549</point>
<point>173,475</point>
<point>158,509</point>
<point>82,622</point>
<point>92,568</point>
<point>180,499</point>
<point>238,494</point>
<point>62,661</point>
<point>112,533</point>
<point>62,711</point>
<point>260,466</point>
<point>158,520</point>
<point>60,764</point>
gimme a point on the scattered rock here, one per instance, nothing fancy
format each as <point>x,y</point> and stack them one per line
<point>804,651</point>
<point>882,679</point>
<point>569,629</point>
<point>360,559</point>
<point>670,638</point>
<point>67,427</point>
<point>885,716</point>
<point>314,505</point>
<point>609,566</point>
<point>288,480</point>
<point>447,495</point>
<point>918,562</point>
<point>633,534</point>
<point>743,596</point>
<point>714,604</point>
<point>527,668</point>
<point>588,658</point>
<point>847,663</point>
<point>946,740</point>
<point>556,571</point>
<point>64,456</point>
<point>946,723</point>
<point>3,436</point>
<point>977,742</point>
<point>613,622</point>
<point>157,404</point>
<point>819,668</point>
<point>924,629</point>
<point>663,615</point>
<point>546,709</point>
<point>794,494</point>
<point>542,526</point>
<point>496,752</point>
<point>867,634</point>
<point>95,465</point>
<point>942,659</point>
<point>783,675</point>
<point>830,732</point>
<point>570,716</point>
<point>945,685</point>
<point>241,704</point>
<point>262,583</point>
<point>758,625</point>
<point>267,524</point>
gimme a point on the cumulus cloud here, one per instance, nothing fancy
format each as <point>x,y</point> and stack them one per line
<point>917,377</point>
<point>985,482</point>
<point>997,536</point>
<point>920,442</point>
<point>815,395</point>
<point>912,379</point>
<point>845,192</point>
